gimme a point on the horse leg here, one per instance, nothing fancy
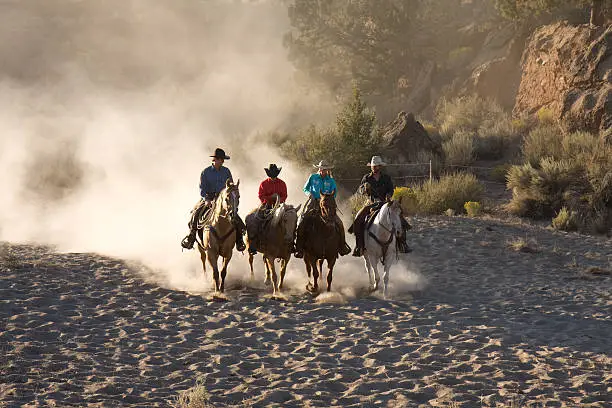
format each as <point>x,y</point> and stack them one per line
<point>374,264</point>
<point>282,272</point>
<point>320,263</point>
<point>212,260</point>
<point>224,272</point>
<point>251,266</point>
<point>330,272</point>
<point>270,264</point>
<point>370,272</point>
<point>268,280</point>
<point>315,274</point>
<point>308,271</point>
<point>203,258</point>
<point>386,278</point>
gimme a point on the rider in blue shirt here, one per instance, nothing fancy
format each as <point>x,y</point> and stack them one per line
<point>319,182</point>
<point>212,181</point>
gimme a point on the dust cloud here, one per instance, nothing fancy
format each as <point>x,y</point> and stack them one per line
<point>109,111</point>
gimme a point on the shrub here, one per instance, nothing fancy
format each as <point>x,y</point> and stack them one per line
<point>500,172</point>
<point>459,150</point>
<point>543,141</point>
<point>451,191</point>
<point>356,202</point>
<point>352,139</point>
<point>565,220</point>
<point>493,133</point>
<point>573,171</point>
<point>545,115</point>
<point>408,199</point>
<point>467,113</point>
<point>519,177</point>
<point>195,397</point>
<point>472,208</point>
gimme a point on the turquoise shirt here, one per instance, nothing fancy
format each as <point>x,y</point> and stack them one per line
<point>317,185</point>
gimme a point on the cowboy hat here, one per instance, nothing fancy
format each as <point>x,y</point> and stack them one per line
<point>273,170</point>
<point>219,154</point>
<point>323,165</point>
<point>376,161</point>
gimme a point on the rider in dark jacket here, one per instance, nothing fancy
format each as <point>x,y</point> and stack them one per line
<point>378,187</point>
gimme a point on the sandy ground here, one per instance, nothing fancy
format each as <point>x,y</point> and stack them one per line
<point>472,322</point>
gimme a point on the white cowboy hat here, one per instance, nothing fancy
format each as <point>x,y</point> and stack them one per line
<point>324,165</point>
<point>376,161</point>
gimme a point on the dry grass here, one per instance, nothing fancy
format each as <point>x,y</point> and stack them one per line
<point>523,245</point>
<point>195,397</point>
<point>451,191</point>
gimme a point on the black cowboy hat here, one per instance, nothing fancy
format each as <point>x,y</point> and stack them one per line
<point>272,170</point>
<point>219,154</point>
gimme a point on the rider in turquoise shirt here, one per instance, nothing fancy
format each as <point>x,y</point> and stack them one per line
<point>320,182</point>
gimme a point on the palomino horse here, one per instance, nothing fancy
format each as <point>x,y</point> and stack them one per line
<point>381,243</point>
<point>276,241</point>
<point>322,241</point>
<point>219,234</point>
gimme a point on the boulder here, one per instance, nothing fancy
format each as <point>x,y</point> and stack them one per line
<point>405,140</point>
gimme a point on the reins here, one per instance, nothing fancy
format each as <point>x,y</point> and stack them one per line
<point>384,245</point>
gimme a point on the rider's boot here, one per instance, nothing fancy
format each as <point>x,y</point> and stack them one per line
<point>359,243</point>
<point>403,242</point>
<point>189,240</point>
<point>240,245</point>
<point>345,249</point>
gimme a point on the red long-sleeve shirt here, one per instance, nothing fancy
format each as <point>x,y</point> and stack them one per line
<point>268,187</point>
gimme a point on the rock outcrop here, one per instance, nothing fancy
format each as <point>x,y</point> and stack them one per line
<point>405,140</point>
<point>568,71</point>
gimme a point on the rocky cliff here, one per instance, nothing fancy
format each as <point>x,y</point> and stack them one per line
<point>567,70</point>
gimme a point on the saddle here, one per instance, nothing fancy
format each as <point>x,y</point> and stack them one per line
<point>204,218</point>
<point>371,216</point>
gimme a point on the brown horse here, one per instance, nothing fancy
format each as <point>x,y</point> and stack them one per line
<point>219,234</point>
<point>322,241</point>
<point>276,241</point>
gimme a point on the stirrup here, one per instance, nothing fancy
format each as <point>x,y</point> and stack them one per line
<point>188,241</point>
<point>298,254</point>
<point>357,252</point>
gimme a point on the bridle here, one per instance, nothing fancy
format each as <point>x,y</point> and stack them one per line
<point>328,212</point>
<point>229,211</point>
<point>384,245</point>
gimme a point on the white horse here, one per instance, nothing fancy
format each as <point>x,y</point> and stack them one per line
<point>381,243</point>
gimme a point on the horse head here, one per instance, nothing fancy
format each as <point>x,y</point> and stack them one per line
<point>229,199</point>
<point>394,214</point>
<point>328,207</point>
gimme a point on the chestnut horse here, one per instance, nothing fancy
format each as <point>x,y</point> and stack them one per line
<point>322,241</point>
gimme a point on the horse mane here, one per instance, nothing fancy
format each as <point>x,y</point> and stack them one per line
<point>278,212</point>
<point>216,207</point>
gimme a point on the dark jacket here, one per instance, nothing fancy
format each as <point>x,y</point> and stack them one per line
<point>379,189</point>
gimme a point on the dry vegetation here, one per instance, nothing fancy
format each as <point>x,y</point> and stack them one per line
<point>565,178</point>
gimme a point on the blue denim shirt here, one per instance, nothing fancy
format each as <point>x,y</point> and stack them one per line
<point>212,181</point>
<point>317,184</point>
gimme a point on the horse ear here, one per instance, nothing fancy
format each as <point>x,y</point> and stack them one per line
<point>237,183</point>
<point>227,183</point>
<point>298,207</point>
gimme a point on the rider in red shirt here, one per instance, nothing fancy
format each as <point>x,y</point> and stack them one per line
<point>272,187</point>
<point>270,190</point>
